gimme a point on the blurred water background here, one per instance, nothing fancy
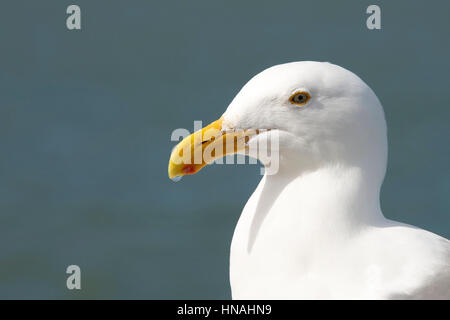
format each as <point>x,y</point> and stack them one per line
<point>86,118</point>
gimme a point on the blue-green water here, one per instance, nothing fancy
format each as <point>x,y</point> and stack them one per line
<point>86,118</point>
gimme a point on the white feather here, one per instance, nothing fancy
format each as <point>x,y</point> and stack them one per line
<point>315,229</point>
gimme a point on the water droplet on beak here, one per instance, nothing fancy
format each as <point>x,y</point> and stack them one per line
<point>177,178</point>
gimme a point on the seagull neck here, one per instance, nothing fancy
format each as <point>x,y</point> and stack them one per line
<point>338,193</point>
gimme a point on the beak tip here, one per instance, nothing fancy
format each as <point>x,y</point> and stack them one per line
<point>174,173</point>
<point>188,148</point>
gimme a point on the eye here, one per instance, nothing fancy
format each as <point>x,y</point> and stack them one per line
<point>300,98</point>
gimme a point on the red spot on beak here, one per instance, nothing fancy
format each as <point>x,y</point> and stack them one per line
<point>189,169</point>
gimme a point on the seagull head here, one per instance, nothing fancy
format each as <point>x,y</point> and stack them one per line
<point>320,114</point>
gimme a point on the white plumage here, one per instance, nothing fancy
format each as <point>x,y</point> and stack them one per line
<point>315,229</point>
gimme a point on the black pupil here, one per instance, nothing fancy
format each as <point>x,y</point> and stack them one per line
<point>300,97</point>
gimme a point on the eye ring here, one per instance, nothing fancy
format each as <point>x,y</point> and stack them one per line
<point>300,98</point>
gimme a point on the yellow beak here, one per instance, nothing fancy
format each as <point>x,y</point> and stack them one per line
<point>203,147</point>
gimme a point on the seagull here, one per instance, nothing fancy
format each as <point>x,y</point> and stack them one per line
<point>314,229</point>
